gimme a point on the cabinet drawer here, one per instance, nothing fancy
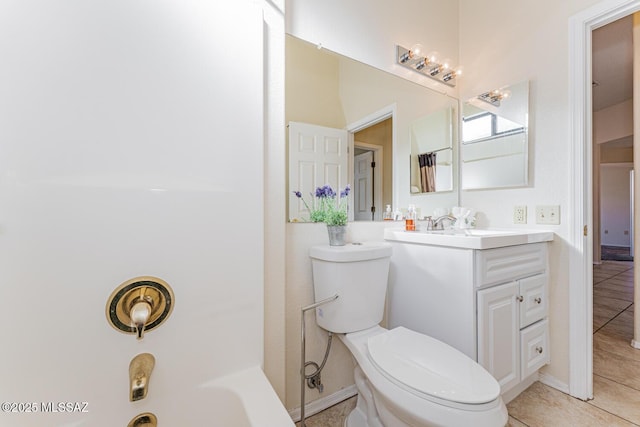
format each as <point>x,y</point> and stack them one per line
<point>533,299</point>
<point>509,263</point>
<point>534,348</point>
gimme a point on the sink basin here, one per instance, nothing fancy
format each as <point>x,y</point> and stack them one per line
<point>472,238</point>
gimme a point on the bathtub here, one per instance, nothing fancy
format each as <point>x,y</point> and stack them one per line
<point>241,399</point>
<point>246,399</point>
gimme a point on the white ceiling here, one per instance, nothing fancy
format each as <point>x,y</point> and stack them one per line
<point>613,63</point>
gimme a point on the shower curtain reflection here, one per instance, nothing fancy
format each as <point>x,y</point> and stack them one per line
<point>427,162</point>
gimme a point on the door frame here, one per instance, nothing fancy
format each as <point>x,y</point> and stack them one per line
<point>374,118</point>
<point>581,26</point>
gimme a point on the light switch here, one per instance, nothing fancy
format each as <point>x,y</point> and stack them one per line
<point>548,214</point>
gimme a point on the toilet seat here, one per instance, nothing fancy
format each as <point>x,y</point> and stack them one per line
<point>430,368</point>
<point>398,404</point>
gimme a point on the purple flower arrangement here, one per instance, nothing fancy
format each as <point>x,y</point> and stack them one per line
<point>327,206</point>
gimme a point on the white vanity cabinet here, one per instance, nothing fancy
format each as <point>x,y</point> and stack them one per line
<point>491,304</point>
<point>509,348</point>
<point>512,311</point>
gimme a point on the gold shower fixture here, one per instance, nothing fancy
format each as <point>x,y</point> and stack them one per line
<point>140,305</point>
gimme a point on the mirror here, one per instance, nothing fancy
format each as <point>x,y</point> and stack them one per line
<point>494,151</point>
<point>431,139</point>
<point>379,111</point>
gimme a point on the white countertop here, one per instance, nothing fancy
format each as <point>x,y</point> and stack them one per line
<point>473,238</point>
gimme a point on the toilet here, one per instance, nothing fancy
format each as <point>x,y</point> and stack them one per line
<point>403,378</point>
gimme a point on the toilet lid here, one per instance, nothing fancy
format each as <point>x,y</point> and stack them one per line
<point>426,365</point>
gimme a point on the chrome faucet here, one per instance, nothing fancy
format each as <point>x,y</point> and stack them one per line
<point>140,370</point>
<point>437,223</point>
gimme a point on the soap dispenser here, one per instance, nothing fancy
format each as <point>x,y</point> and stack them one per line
<point>410,221</point>
<point>388,215</point>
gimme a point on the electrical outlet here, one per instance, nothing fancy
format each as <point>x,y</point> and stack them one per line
<point>548,214</point>
<point>519,214</point>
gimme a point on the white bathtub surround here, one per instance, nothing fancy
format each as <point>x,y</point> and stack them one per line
<point>121,125</point>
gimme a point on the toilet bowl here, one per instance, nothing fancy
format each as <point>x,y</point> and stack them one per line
<point>415,380</point>
<point>403,378</point>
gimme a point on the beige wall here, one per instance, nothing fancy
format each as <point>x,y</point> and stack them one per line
<point>613,123</point>
<point>311,85</point>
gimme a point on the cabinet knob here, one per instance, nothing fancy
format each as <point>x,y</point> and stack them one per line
<point>519,298</point>
<point>538,300</point>
<point>539,350</point>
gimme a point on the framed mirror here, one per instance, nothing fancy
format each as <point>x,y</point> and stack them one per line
<point>494,149</point>
<point>376,111</point>
<point>432,152</point>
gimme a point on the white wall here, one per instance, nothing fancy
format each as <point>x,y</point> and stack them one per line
<point>275,204</point>
<point>120,124</point>
<point>500,42</point>
<point>615,204</point>
<point>504,42</point>
<point>369,30</point>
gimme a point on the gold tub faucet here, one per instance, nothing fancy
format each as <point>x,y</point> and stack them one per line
<point>140,370</point>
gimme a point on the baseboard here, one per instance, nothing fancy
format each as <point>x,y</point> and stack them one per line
<point>519,388</point>
<point>527,382</point>
<point>552,381</point>
<point>321,404</point>
<point>635,344</point>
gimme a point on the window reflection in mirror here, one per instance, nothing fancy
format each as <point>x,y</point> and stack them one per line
<point>495,139</point>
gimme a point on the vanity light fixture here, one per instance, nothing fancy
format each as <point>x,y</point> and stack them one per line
<point>427,65</point>
<point>415,51</point>
<point>494,97</point>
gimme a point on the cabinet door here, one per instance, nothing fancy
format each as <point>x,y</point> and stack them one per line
<point>498,333</point>
<point>533,307</point>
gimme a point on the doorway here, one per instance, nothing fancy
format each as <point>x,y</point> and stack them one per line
<point>371,173</point>
<point>374,133</point>
<point>582,184</point>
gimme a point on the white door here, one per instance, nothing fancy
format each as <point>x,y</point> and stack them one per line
<point>363,186</point>
<point>498,333</point>
<point>130,145</point>
<point>318,155</point>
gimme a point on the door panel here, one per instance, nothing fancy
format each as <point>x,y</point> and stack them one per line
<point>363,191</point>
<point>317,156</point>
<point>498,333</point>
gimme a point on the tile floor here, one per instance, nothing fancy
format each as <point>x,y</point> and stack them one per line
<point>616,368</point>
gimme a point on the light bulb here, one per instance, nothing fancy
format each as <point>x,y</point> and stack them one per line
<point>433,56</point>
<point>446,64</point>
<point>416,50</point>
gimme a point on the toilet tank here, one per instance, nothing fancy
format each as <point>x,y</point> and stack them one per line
<point>358,274</point>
